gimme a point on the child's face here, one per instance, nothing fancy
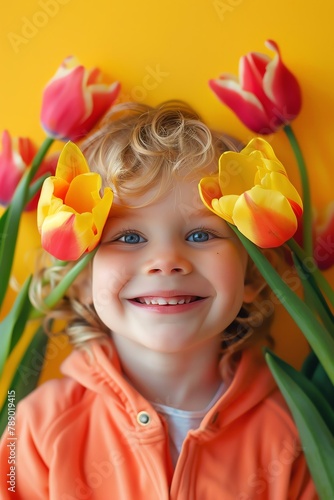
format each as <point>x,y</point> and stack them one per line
<point>169,275</point>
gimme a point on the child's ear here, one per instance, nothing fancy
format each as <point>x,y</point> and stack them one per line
<point>251,291</point>
<point>254,281</point>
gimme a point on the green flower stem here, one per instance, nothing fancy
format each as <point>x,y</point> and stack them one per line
<point>46,144</point>
<point>315,332</point>
<point>319,304</point>
<point>307,213</point>
<point>59,291</point>
<point>311,265</point>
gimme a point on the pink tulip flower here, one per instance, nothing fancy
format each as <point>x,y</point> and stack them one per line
<point>16,156</point>
<point>267,95</point>
<point>74,100</point>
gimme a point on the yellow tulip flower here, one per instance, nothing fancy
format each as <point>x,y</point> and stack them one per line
<point>71,213</point>
<point>252,191</point>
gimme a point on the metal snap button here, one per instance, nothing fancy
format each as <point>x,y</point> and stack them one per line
<point>143,418</point>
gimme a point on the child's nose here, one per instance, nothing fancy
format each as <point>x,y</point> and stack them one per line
<point>167,263</point>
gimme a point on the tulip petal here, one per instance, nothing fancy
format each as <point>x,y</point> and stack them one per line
<point>83,192</point>
<point>52,193</point>
<point>281,86</point>
<point>74,100</point>
<point>26,149</point>
<point>255,195</point>
<point>252,69</point>
<point>281,183</point>
<point>71,213</point>
<point>210,194</point>
<point>63,105</point>
<point>208,190</point>
<point>15,157</point>
<point>267,96</point>
<point>324,237</point>
<point>93,76</point>
<point>224,207</point>
<point>100,215</point>
<point>271,173</point>
<point>11,169</point>
<point>66,235</point>
<point>71,163</point>
<point>262,154</point>
<point>245,105</point>
<point>236,172</point>
<point>259,145</point>
<point>265,217</point>
<point>102,98</point>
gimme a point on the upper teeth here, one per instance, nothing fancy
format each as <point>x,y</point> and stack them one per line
<point>161,301</point>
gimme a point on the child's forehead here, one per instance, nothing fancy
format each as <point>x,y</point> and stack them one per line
<point>182,199</point>
<point>120,211</point>
<point>139,188</point>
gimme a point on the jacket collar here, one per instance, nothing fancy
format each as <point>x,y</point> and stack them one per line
<point>97,367</point>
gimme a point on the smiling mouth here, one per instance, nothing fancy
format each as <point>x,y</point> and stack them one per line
<point>164,301</point>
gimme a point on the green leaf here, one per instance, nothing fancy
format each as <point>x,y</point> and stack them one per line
<point>28,372</point>
<point>13,324</point>
<point>309,365</point>
<point>314,371</point>
<point>316,437</point>
<point>313,392</point>
<point>315,332</point>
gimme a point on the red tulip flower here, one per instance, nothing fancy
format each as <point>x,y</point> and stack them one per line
<point>74,100</point>
<point>267,95</point>
<point>324,237</point>
<point>16,156</point>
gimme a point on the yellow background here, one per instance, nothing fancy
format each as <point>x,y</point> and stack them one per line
<point>165,50</point>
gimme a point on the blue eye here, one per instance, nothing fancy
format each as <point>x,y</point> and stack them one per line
<point>131,238</point>
<point>200,236</point>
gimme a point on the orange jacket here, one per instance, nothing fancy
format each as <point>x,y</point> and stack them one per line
<point>81,437</point>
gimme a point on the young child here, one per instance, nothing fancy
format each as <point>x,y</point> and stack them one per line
<point>166,395</point>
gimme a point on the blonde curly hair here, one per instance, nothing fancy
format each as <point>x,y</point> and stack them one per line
<point>135,148</point>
